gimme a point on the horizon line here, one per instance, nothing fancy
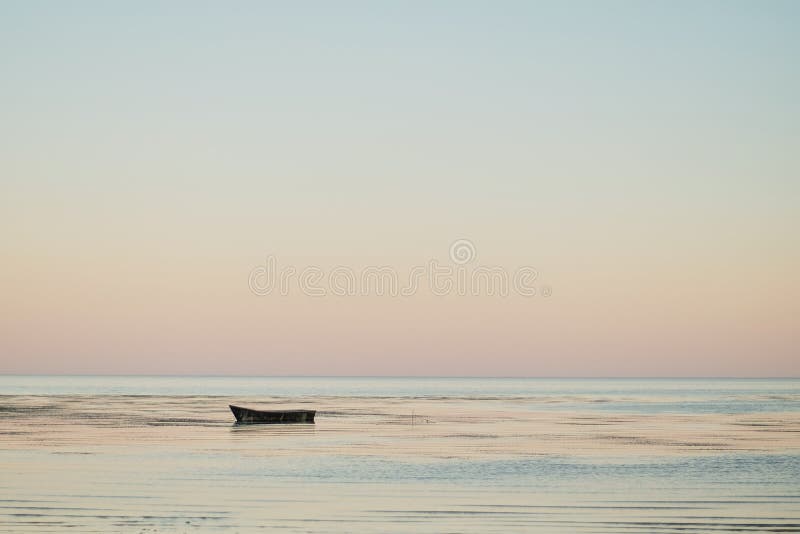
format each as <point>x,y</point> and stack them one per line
<point>524,377</point>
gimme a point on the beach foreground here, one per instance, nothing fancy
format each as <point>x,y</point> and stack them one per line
<point>591,456</point>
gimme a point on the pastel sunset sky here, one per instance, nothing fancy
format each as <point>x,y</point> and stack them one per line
<point>643,157</point>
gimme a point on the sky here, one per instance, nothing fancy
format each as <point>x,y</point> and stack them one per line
<point>642,157</point>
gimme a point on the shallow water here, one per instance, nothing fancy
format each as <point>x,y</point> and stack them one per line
<point>144,454</point>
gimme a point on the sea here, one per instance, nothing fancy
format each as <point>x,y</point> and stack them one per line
<point>149,454</point>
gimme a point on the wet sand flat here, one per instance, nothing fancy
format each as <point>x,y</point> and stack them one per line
<point>165,463</point>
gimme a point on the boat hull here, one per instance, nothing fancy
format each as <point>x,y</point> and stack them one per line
<point>272,417</point>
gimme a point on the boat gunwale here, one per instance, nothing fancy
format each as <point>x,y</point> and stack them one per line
<point>233,406</point>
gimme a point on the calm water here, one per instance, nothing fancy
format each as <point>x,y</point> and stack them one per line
<point>161,454</point>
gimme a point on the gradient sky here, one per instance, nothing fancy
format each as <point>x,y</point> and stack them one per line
<point>643,156</point>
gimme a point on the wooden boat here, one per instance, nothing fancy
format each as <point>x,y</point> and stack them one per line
<point>246,415</point>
